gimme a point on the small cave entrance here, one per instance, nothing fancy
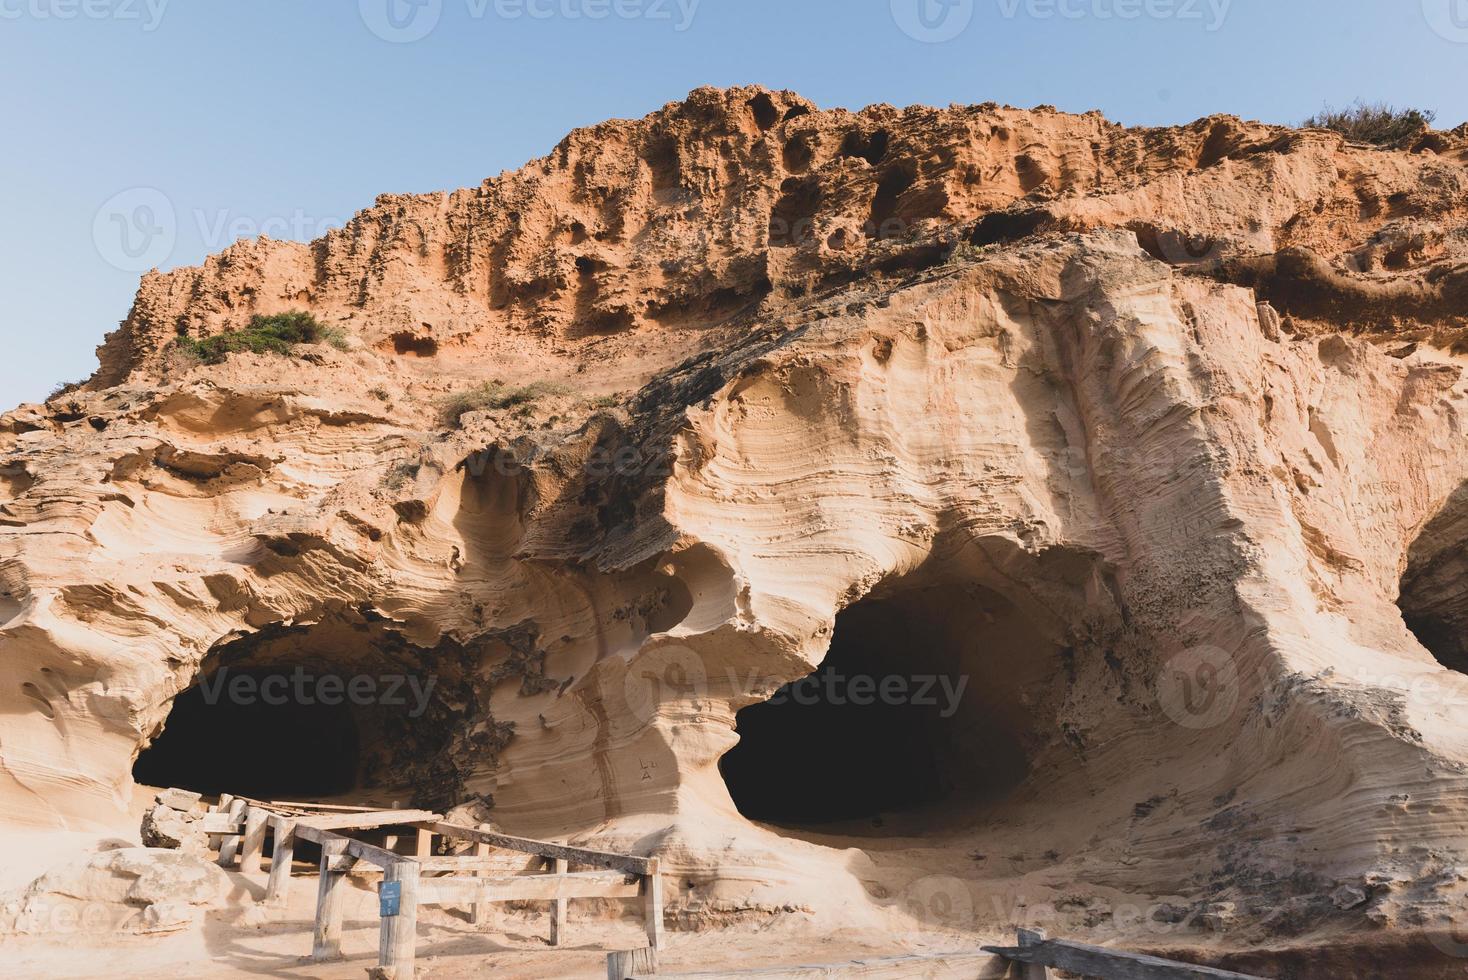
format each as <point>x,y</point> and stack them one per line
<point>915,708</point>
<point>244,733</point>
<point>406,342</point>
<point>346,709</point>
<point>1434,589</point>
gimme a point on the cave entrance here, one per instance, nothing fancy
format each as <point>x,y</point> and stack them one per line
<point>256,732</point>
<point>345,708</point>
<point>916,706</point>
<point>1432,598</point>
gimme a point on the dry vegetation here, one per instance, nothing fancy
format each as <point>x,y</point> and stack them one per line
<point>497,396</point>
<point>1376,123</point>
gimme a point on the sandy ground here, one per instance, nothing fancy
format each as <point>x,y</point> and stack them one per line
<point>511,946</point>
<point>243,941</point>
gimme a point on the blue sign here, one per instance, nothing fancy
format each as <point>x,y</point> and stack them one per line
<point>391,897</point>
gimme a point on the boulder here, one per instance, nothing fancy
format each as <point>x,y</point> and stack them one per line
<point>169,877</point>
<point>165,827</point>
<point>178,799</point>
<point>137,889</point>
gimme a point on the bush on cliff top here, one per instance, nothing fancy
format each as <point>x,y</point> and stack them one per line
<point>1377,123</point>
<point>275,334</point>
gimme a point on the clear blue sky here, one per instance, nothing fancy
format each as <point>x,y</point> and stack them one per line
<point>289,115</point>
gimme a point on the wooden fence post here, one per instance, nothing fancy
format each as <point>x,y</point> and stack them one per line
<point>253,845</point>
<point>229,846</point>
<point>277,891</point>
<point>652,905</point>
<point>398,944</point>
<point>481,909</point>
<point>558,866</point>
<point>330,901</point>
<point>425,843</point>
<point>1033,971</point>
<point>632,963</point>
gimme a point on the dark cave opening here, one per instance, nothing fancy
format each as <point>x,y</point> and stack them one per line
<point>912,708</point>
<point>256,732</point>
<point>1433,599</point>
<point>343,707</point>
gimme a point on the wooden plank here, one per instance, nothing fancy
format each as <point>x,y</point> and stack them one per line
<point>398,941</point>
<point>374,855</point>
<point>425,843</point>
<point>559,867</point>
<point>328,807</point>
<point>527,888</point>
<point>221,824</point>
<point>652,905</point>
<point>217,812</point>
<point>574,855</point>
<point>633,962</point>
<point>1110,964</point>
<point>369,821</point>
<point>252,845</point>
<point>315,834</point>
<point>359,850</point>
<point>229,846</point>
<point>331,896</point>
<point>277,890</point>
<point>1032,971</point>
<point>480,910</point>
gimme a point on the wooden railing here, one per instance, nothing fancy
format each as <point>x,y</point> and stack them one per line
<point>1037,954</point>
<point>410,882</point>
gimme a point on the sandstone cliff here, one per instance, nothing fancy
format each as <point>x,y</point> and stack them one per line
<point>1152,435</point>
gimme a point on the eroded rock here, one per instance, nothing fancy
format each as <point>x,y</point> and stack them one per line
<point>1124,450</point>
<point>165,827</point>
<point>124,890</point>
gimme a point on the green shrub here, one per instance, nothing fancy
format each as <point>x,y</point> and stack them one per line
<point>495,396</point>
<point>275,334</point>
<point>1376,123</point>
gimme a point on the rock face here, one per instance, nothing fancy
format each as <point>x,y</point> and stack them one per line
<point>1127,449</point>
<point>136,889</point>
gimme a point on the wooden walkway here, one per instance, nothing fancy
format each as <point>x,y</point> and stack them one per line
<point>411,882</point>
